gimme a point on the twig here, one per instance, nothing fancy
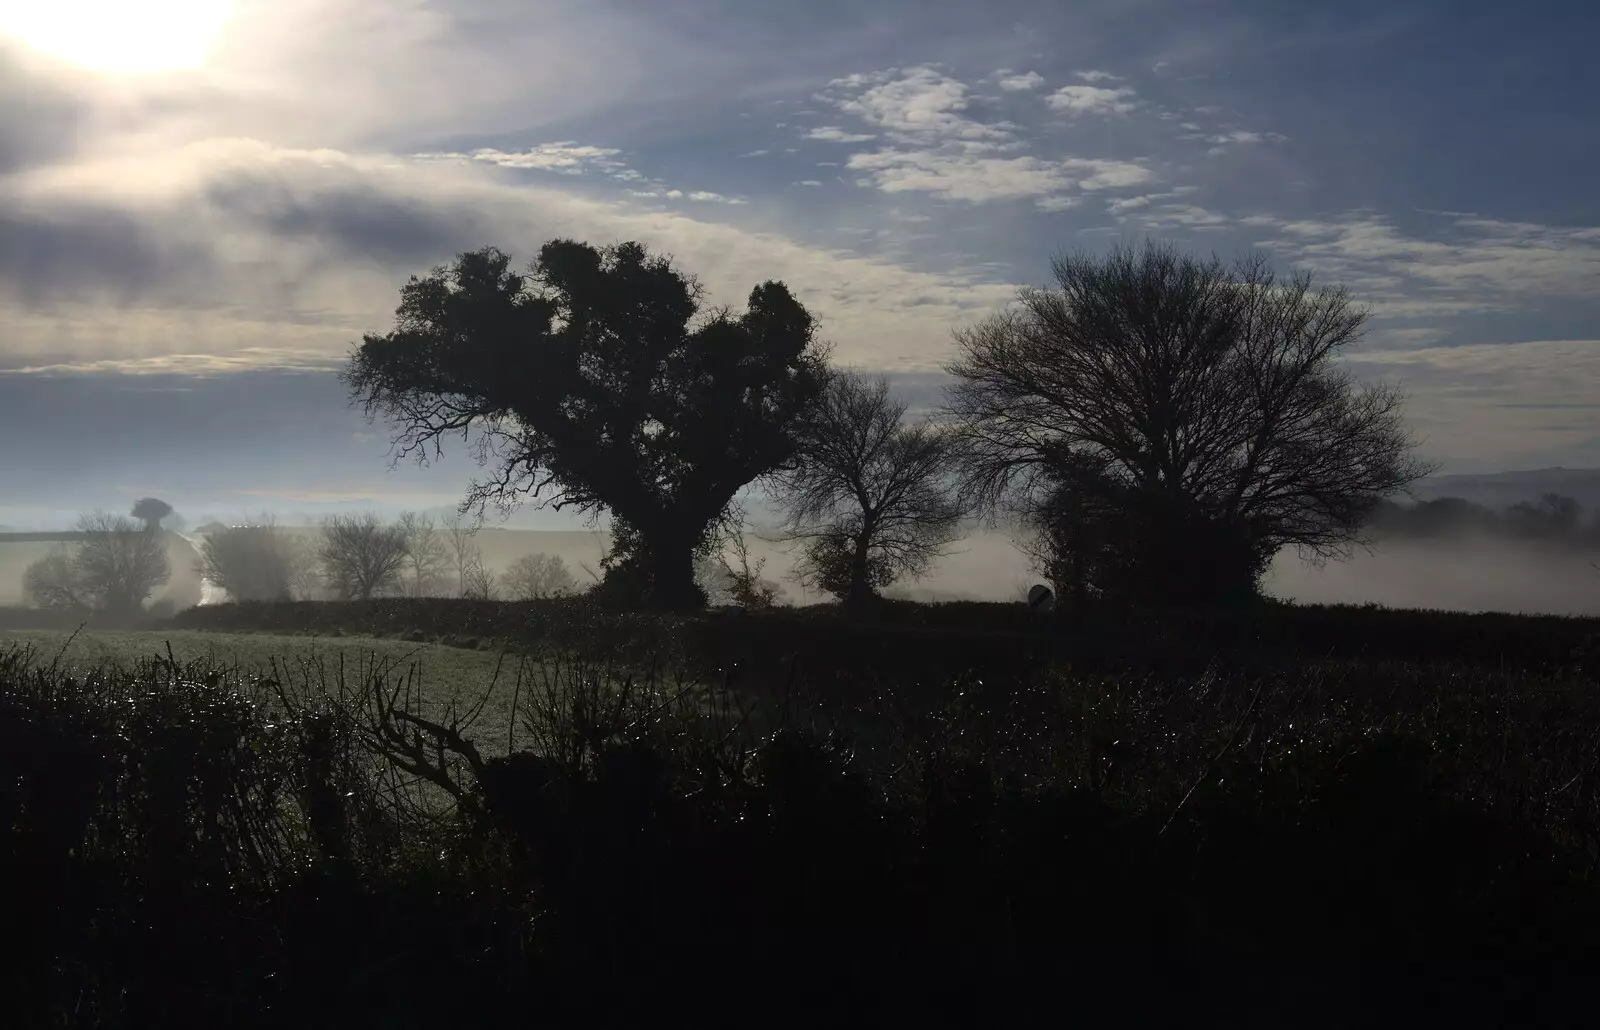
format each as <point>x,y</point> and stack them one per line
<point>1212,765</point>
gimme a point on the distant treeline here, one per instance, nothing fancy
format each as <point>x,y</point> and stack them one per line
<point>1553,517</point>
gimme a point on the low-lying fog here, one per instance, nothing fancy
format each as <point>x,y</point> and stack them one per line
<point>1462,573</point>
<point>1466,574</point>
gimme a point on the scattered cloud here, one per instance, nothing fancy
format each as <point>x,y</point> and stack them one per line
<point>199,366</point>
<point>809,182</point>
<point>940,146</point>
<point>1013,83</point>
<point>1471,402</point>
<point>1095,100</point>
<point>1471,264</point>
<point>565,157</point>
<point>1095,76</point>
<point>977,178</point>
<point>914,105</point>
<point>754,153</point>
<point>833,134</point>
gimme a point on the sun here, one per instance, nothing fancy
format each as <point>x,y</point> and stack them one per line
<point>118,35</point>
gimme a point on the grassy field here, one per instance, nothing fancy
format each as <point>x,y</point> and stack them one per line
<point>441,675</point>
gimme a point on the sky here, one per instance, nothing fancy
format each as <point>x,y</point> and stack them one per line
<point>205,204</point>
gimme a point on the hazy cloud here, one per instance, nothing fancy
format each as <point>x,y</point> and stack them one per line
<point>41,116</point>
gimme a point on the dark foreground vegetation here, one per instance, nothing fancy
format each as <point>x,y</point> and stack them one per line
<point>828,826</point>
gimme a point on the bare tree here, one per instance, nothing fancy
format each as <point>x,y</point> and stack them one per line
<point>427,554</point>
<point>463,553</point>
<point>478,583</point>
<point>305,566</point>
<point>361,556</point>
<point>870,496</point>
<point>113,566</point>
<point>1192,413</point>
<point>536,576</point>
<point>252,562</point>
<point>53,581</point>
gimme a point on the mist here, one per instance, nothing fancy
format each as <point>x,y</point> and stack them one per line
<point>1465,573</point>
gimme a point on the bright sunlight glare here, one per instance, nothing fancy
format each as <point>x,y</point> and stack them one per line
<point>118,35</point>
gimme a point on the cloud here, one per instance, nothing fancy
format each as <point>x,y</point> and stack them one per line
<point>566,157</point>
<point>698,196</point>
<point>1020,83</point>
<point>914,105</point>
<point>1096,100</point>
<point>833,134</point>
<point>1472,401</point>
<point>231,245</point>
<point>978,179</point>
<point>754,153</point>
<point>41,114</point>
<point>1471,264</point>
<point>192,366</point>
<point>1095,76</point>
<point>809,182</point>
<point>940,148</point>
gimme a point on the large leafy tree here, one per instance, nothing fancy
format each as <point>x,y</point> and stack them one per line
<point>1168,423</point>
<point>597,381</point>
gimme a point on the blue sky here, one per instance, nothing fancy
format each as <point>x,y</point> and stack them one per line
<point>188,252</point>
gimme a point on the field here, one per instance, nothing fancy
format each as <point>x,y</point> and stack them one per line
<point>441,676</point>
<point>886,800</point>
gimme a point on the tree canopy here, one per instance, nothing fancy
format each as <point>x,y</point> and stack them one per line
<point>1167,423</point>
<point>597,381</point>
<point>151,510</point>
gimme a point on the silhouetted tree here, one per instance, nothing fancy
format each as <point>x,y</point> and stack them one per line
<point>588,383</point>
<point>150,511</point>
<point>1191,414</point>
<point>535,576</point>
<point>252,562</point>
<point>870,496</point>
<point>361,556</point>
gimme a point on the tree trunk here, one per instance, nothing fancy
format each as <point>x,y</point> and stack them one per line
<point>861,589</point>
<point>674,587</point>
<point>665,566</point>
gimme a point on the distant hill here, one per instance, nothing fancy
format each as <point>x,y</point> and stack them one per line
<point>1502,489</point>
